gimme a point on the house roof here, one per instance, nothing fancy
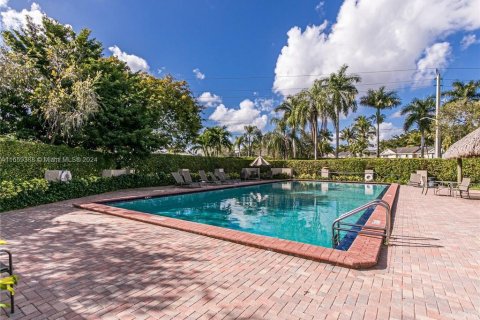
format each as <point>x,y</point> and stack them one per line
<point>406,150</point>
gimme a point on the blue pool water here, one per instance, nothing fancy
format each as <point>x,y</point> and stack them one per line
<point>299,211</point>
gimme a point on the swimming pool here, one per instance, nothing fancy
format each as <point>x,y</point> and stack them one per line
<point>301,211</point>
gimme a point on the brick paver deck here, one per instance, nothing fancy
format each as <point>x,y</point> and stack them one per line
<point>77,264</point>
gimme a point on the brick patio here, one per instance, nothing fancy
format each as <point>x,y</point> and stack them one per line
<point>77,264</point>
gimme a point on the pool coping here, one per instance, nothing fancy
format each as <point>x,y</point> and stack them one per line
<point>363,253</point>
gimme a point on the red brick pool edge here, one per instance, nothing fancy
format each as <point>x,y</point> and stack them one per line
<point>363,253</point>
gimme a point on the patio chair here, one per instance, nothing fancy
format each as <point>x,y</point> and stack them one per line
<point>463,187</point>
<point>205,179</point>
<point>415,180</point>
<point>217,180</point>
<point>8,268</point>
<point>182,183</point>
<point>224,179</point>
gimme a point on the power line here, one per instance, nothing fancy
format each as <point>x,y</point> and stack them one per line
<point>324,75</point>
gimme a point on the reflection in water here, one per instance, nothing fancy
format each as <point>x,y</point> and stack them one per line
<point>299,211</point>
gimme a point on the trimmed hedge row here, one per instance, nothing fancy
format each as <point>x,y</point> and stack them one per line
<point>29,160</point>
<point>25,160</point>
<point>22,194</point>
<point>22,166</point>
<point>387,170</point>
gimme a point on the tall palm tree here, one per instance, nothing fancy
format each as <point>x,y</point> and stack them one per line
<point>252,136</point>
<point>419,112</point>
<point>341,92</point>
<point>288,116</point>
<point>306,112</point>
<point>380,99</point>
<point>464,91</point>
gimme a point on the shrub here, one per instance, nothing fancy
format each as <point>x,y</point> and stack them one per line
<point>25,193</point>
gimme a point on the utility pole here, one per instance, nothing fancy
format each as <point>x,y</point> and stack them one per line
<point>438,140</point>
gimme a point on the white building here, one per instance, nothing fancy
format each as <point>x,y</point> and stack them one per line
<point>407,152</point>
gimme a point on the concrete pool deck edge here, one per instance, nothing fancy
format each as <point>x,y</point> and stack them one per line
<point>363,253</point>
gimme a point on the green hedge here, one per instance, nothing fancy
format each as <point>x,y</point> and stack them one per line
<point>20,194</point>
<point>28,160</point>
<point>22,167</point>
<point>387,170</point>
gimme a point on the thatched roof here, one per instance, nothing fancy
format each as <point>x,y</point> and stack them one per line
<point>467,147</point>
<point>259,162</point>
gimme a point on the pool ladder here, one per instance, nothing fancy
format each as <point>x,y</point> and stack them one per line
<point>338,225</point>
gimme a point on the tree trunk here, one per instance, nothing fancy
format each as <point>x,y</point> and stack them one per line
<point>422,144</point>
<point>315,138</point>
<point>294,146</point>
<point>337,134</point>
<point>378,133</point>
<point>459,170</point>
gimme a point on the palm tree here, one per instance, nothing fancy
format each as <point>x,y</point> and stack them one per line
<point>380,100</point>
<point>419,112</point>
<point>341,92</point>
<point>202,143</point>
<point>464,91</point>
<point>219,139</point>
<point>306,112</point>
<point>239,143</point>
<point>213,140</point>
<point>288,116</point>
<point>363,128</point>
<point>252,136</point>
<point>348,135</point>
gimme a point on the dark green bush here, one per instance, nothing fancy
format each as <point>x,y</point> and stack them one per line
<point>20,194</point>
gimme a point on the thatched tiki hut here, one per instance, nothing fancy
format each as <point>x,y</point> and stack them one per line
<point>467,147</point>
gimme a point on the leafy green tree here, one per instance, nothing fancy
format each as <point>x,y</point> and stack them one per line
<point>64,95</point>
<point>18,81</point>
<point>380,99</point>
<point>341,95</point>
<point>461,114</point>
<point>419,113</point>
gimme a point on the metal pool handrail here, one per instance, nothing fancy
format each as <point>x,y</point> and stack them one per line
<point>337,224</point>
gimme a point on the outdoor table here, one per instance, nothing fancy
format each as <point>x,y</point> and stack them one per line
<point>447,184</point>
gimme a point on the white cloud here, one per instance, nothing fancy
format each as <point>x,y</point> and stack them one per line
<point>468,40</point>
<point>134,62</point>
<point>237,119</point>
<point>209,99</point>
<point>198,74</point>
<point>12,19</point>
<point>320,8</point>
<point>435,56</point>
<point>396,115</point>
<point>372,35</point>
<point>388,130</point>
<point>264,104</point>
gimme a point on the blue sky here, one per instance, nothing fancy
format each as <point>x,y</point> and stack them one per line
<point>236,46</point>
